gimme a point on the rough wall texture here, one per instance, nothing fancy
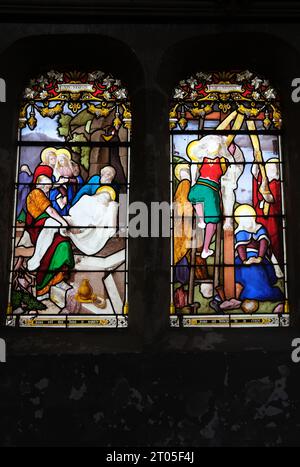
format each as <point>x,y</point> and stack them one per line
<point>170,400</point>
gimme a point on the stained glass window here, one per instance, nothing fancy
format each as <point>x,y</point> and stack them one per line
<point>69,264</point>
<point>228,260</point>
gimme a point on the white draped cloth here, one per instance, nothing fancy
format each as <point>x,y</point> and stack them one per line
<point>96,212</point>
<point>94,218</point>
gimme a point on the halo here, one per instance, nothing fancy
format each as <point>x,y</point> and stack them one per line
<point>179,168</point>
<point>107,189</point>
<point>45,151</point>
<point>244,210</point>
<point>64,152</point>
<point>193,149</point>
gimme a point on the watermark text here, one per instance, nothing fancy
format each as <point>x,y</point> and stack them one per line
<point>2,351</point>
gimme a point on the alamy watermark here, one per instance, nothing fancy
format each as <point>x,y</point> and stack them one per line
<point>296,91</point>
<point>2,351</point>
<point>296,352</point>
<point>162,220</point>
<point>2,90</point>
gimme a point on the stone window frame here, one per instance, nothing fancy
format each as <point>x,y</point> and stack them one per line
<point>149,271</point>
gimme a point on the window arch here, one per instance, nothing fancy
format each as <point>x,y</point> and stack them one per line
<point>228,259</point>
<point>69,264</point>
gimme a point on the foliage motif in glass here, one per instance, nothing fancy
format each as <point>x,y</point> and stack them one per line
<point>228,221</point>
<point>70,233</point>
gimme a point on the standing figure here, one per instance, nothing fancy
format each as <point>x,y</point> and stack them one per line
<point>210,161</point>
<point>47,164</point>
<point>183,213</point>
<point>63,167</point>
<point>25,179</point>
<point>77,176</point>
<point>270,214</point>
<point>63,192</point>
<point>183,223</point>
<point>184,256</point>
<point>254,269</point>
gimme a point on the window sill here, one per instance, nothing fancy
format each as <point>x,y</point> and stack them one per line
<point>25,342</point>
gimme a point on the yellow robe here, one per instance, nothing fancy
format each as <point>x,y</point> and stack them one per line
<point>183,218</point>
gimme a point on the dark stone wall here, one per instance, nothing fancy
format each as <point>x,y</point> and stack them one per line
<point>150,386</point>
<point>244,399</point>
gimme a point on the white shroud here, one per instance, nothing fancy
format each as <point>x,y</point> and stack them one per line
<point>93,211</point>
<point>95,216</point>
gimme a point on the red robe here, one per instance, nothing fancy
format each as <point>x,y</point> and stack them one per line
<point>46,277</point>
<point>273,221</point>
<point>41,169</point>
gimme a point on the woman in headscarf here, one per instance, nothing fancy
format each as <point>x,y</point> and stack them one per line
<point>253,267</point>
<point>47,164</point>
<point>63,193</point>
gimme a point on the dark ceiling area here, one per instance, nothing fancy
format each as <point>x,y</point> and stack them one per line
<point>143,10</point>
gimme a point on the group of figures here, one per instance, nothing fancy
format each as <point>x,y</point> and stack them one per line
<point>61,213</point>
<point>70,227</point>
<point>232,251</point>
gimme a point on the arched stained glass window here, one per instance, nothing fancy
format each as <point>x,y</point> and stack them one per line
<point>70,237</point>
<point>228,220</point>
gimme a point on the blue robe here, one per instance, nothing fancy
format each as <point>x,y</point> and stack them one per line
<point>89,188</point>
<point>258,280</point>
<point>80,183</point>
<point>182,271</point>
<point>55,192</point>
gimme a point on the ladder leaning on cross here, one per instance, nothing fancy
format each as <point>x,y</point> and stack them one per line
<point>229,288</point>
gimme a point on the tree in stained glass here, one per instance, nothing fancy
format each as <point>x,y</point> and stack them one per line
<point>70,255</point>
<point>228,220</point>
